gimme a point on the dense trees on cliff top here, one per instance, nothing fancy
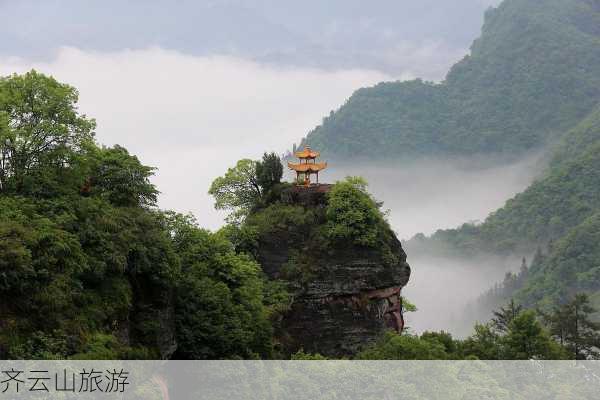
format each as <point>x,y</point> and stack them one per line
<point>533,73</point>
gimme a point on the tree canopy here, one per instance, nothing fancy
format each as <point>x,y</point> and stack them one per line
<point>41,131</point>
<point>89,268</point>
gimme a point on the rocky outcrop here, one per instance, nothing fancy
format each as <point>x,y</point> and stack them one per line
<point>349,295</point>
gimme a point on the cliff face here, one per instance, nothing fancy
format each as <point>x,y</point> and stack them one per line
<point>344,295</point>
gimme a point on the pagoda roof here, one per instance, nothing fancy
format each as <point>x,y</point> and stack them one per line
<point>307,167</point>
<point>307,153</point>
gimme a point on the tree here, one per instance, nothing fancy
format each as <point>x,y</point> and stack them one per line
<point>352,214</point>
<point>506,315</point>
<point>484,344</point>
<point>573,325</point>
<point>526,339</point>
<point>121,178</point>
<point>238,190</point>
<point>405,347</point>
<point>269,171</point>
<point>219,303</point>
<point>41,130</point>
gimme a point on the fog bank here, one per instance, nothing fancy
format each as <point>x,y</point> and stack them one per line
<point>441,288</point>
<point>428,195</point>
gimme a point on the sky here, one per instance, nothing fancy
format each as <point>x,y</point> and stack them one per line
<point>193,86</point>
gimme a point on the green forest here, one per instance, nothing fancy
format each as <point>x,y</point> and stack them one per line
<point>533,74</point>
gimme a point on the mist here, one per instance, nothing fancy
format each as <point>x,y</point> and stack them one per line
<point>443,288</point>
<point>427,195</point>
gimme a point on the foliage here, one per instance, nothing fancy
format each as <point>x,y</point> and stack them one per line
<point>404,347</point>
<point>506,315</point>
<point>247,185</point>
<point>238,190</point>
<point>558,213</point>
<point>301,355</point>
<point>527,339</point>
<point>269,171</point>
<point>219,304</point>
<point>41,132</point>
<point>352,214</point>
<point>526,80</point>
<point>484,344</point>
<point>572,326</point>
<point>121,179</point>
<point>89,269</point>
<point>523,338</point>
<point>570,266</point>
<point>407,306</point>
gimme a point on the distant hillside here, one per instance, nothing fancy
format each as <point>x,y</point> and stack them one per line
<point>558,215</point>
<point>532,75</point>
<point>563,198</point>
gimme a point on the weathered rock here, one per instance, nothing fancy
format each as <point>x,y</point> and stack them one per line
<point>351,295</point>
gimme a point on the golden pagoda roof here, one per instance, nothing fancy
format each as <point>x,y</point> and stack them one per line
<point>307,167</point>
<point>307,153</point>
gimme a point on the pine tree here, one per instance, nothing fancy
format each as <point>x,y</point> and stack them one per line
<point>504,316</point>
<point>582,335</point>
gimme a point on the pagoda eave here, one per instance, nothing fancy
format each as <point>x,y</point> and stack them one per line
<point>307,167</point>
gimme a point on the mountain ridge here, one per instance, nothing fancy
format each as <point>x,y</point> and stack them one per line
<point>533,73</point>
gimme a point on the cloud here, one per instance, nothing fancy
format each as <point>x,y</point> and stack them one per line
<point>430,194</point>
<point>193,117</point>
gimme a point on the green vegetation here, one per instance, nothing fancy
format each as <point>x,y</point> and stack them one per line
<point>90,269</point>
<point>546,211</point>
<point>558,217</point>
<point>348,217</point>
<point>532,75</point>
<point>242,188</point>
<point>572,326</point>
<point>353,215</point>
<point>220,312</point>
<point>514,334</point>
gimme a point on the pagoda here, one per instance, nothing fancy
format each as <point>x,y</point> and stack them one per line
<point>307,166</point>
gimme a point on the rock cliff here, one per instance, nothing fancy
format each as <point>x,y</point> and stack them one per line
<point>344,295</point>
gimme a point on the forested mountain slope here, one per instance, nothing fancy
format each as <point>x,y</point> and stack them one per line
<point>531,76</point>
<point>564,197</point>
<point>558,215</point>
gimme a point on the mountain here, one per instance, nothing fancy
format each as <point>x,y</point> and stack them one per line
<point>531,76</point>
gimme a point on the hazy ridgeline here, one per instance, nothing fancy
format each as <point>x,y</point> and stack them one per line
<point>423,196</point>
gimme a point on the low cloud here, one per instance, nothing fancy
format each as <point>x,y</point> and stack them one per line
<point>431,194</point>
<point>193,117</point>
